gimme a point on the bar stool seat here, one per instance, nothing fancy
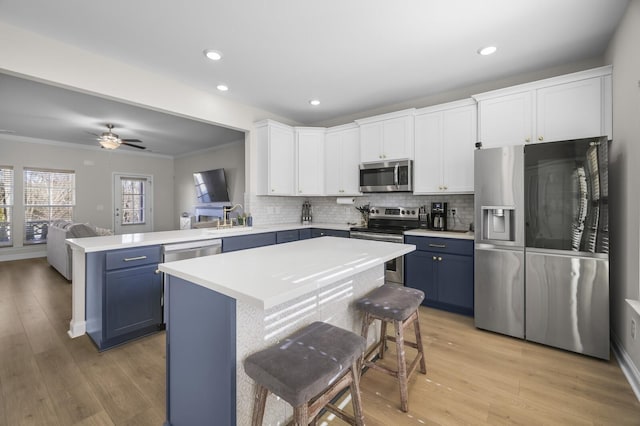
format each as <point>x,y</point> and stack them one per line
<point>308,369</point>
<point>399,305</point>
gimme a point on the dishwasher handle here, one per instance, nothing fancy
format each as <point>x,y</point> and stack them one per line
<point>168,248</point>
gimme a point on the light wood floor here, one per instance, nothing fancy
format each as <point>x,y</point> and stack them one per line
<point>473,377</point>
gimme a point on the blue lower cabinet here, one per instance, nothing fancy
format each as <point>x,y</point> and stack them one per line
<point>287,236</point>
<point>320,232</point>
<point>304,234</point>
<point>133,300</point>
<point>243,242</point>
<point>124,295</point>
<point>445,276</point>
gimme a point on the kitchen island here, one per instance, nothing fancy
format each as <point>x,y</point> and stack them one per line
<point>86,251</point>
<point>223,308</point>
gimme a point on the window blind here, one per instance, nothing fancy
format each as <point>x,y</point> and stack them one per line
<point>49,195</point>
<point>6,205</point>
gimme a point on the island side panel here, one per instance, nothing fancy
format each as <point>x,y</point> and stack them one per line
<point>201,355</point>
<point>258,329</point>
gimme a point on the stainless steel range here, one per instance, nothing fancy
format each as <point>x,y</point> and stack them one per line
<point>388,224</point>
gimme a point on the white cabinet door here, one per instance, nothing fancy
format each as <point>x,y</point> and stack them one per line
<point>310,161</point>
<point>506,120</point>
<point>280,161</point>
<point>427,165</point>
<point>350,161</point>
<point>459,129</point>
<point>387,140</point>
<point>371,142</point>
<point>342,157</point>
<point>332,163</point>
<point>397,139</point>
<point>570,111</point>
<point>444,144</point>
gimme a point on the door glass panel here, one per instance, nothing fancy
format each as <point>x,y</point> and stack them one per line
<point>566,192</point>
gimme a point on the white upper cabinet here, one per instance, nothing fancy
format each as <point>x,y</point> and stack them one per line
<point>386,137</point>
<point>572,106</point>
<point>310,160</point>
<point>276,158</point>
<point>445,137</point>
<point>342,158</point>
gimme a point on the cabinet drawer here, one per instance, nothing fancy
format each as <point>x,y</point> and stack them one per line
<point>304,234</point>
<point>441,245</point>
<point>287,236</point>
<point>320,232</point>
<point>127,258</point>
<point>243,242</point>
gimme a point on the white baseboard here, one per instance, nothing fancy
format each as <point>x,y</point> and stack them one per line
<point>23,255</point>
<point>629,369</point>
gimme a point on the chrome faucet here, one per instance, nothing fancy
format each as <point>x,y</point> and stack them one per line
<point>226,210</point>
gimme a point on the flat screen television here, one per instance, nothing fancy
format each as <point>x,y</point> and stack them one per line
<point>211,186</point>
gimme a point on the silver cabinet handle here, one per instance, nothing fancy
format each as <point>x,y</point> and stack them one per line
<point>130,259</point>
<point>434,258</point>
<point>438,245</point>
<point>439,259</point>
<point>157,271</point>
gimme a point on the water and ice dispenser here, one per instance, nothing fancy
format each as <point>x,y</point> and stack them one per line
<point>498,223</point>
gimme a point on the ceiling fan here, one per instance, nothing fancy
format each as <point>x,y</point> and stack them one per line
<point>110,140</point>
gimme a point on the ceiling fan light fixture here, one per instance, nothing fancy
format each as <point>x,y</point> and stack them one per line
<point>314,102</point>
<point>222,87</point>
<point>109,142</point>
<point>214,55</point>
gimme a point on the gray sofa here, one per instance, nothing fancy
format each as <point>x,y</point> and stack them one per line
<point>58,252</point>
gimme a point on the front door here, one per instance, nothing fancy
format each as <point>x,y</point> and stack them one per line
<point>132,203</point>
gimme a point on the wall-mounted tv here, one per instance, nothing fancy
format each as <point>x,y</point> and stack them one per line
<point>211,186</point>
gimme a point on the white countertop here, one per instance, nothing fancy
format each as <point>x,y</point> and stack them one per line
<point>440,234</point>
<point>269,276</point>
<point>114,242</point>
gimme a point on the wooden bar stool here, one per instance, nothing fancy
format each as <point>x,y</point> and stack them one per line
<point>308,369</point>
<point>399,305</point>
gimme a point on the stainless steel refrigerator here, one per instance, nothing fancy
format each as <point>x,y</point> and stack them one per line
<point>542,243</point>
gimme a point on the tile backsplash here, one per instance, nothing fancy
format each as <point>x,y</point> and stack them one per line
<point>269,210</point>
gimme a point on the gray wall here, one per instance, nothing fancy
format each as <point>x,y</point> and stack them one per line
<point>624,175</point>
<point>94,170</point>
<point>231,157</point>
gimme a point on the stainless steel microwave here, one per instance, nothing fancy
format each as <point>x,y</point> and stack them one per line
<point>387,176</point>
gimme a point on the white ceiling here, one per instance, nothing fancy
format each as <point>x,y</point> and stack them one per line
<point>354,55</point>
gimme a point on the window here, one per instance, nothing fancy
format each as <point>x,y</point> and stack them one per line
<point>6,205</point>
<point>133,201</point>
<point>49,195</point>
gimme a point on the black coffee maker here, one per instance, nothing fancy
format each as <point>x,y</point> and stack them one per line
<point>439,216</point>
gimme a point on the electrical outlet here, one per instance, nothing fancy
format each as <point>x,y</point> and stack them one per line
<point>453,211</point>
<point>633,328</point>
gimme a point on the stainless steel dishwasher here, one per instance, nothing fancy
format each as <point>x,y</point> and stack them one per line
<point>181,251</point>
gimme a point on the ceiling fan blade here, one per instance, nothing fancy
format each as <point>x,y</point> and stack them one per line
<point>93,134</point>
<point>134,146</point>
<point>131,140</point>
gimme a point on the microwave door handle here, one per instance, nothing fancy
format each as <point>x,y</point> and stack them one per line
<point>395,175</point>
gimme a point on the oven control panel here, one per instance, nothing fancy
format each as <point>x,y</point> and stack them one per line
<point>394,213</point>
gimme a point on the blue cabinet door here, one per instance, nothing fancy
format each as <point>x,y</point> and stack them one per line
<point>243,242</point>
<point>132,300</point>
<point>455,281</point>
<point>420,273</point>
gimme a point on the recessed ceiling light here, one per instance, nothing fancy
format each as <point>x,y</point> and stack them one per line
<point>489,50</point>
<point>214,55</point>
<point>222,87</point>
<point>314,102</point>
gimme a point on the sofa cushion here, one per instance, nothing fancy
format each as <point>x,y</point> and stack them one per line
<point>80,230</point>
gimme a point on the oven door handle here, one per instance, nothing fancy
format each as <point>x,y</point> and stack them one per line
<point>395,175</point>
<point>374,237</point>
